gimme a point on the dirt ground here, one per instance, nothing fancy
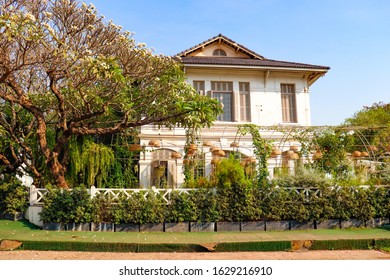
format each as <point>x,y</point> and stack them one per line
<point>297,255</point>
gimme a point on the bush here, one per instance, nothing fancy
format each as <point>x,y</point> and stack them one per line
<point>13,196</point>
<point>235,193</point>
<point>320,205</point>
<point>304,178</point>
<point>139,208</point>
<point>206,206</point>
<point>102,209</point>
<point>67,206</point>
<point>272,200</point>
<point>152,209</point>
<point>181,208</point>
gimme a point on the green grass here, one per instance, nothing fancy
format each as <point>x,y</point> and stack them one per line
<point>34,238</point>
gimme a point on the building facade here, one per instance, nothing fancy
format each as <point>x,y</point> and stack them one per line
<point>251,88</point>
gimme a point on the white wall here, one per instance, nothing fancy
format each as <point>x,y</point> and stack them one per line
<point>265,92</point>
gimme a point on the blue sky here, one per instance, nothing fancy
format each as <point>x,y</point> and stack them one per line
<point>351,37</point>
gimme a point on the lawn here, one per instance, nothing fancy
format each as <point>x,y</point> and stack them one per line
<point>24,231</point>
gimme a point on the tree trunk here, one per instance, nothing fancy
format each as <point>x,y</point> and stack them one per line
<point>58,171</point>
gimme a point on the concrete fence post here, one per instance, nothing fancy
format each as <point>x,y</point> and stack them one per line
<point>33,195</point>
<point>92,191</point>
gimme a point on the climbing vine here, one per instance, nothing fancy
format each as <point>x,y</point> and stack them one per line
<point>262,151</point>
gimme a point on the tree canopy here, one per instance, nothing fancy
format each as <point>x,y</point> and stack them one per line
<point>65,71</point>
<point>374,121</point>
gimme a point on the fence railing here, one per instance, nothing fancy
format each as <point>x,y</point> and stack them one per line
<point>37,194</point>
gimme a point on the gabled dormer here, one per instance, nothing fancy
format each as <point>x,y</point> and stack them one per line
<point>220,46</point>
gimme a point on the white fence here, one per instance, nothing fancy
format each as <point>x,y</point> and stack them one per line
<point>37,194</point>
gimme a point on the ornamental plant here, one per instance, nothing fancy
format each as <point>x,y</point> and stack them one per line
<point>66,206</point>
<point>13,196</point>
<point>235,193</point>
<point>181,208</point>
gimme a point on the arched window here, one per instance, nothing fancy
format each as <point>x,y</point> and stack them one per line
<point>219,52</point>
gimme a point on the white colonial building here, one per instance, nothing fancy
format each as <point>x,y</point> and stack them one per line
<point>252,89</point>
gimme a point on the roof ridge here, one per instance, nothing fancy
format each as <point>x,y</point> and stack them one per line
<point>227,40</point>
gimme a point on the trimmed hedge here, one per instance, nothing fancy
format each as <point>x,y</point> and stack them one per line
<point>274,204</point>
<point>110,247</point>
<point>266,246</point>
<point>343,244</point>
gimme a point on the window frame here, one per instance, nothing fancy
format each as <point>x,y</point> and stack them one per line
<point>244,94</point>
<point>223,88</point>
<point>219,52</point>
<point>288,103</point>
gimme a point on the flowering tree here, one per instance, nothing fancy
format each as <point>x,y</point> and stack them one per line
<point>64,71</point>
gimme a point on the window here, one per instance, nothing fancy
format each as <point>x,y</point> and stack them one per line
<point>223,92</point>
<point>162,169</point>
<point>199,86</point>
<point>245,108</point>
<point>219,52</point>
<point>289,106</point>
<point>199,167</point>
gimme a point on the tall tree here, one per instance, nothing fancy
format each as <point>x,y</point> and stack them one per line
<point>374,123</point>
<point>67,72</point>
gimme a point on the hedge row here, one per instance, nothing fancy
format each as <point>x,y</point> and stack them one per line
<point>205,205</point>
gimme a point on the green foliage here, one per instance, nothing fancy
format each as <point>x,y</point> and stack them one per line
<point>235,192</point>
<point>375,115</point>
<point>382,176</point>
<point>91,161</point>
<point>262,151</point>
<point>71,84</point>
<point>265,246</point>
<point>374,124</point>
<point>110,247</point>
<point>181,208</point>
<point>66,206</point>
<point>206,206</point>
<point>334,145</point>
<point>343,244</point>
<point>320,205</point>
<point>139,208</point>
<point>102,209</point>
<point>13,196</point>
<point>304,178</point>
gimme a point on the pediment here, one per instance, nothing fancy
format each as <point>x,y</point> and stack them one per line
<point>218,45</point>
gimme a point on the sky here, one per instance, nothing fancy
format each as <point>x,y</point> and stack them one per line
<point>352,37</point>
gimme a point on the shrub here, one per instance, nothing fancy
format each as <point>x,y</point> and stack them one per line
<point>13,196</point>
<point>304,178</point>
<point>66,206</point>
<point>152,209</point>
<point>235,194</point>
<point>139,208</point>
<point>272,200</point>
<point>57,204</point>
<point>102,209</point>
<point>320,205</point>
<point>127,209</point>
<point>181,208</point>
<point>206,206</point>
<point>343,202</point>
